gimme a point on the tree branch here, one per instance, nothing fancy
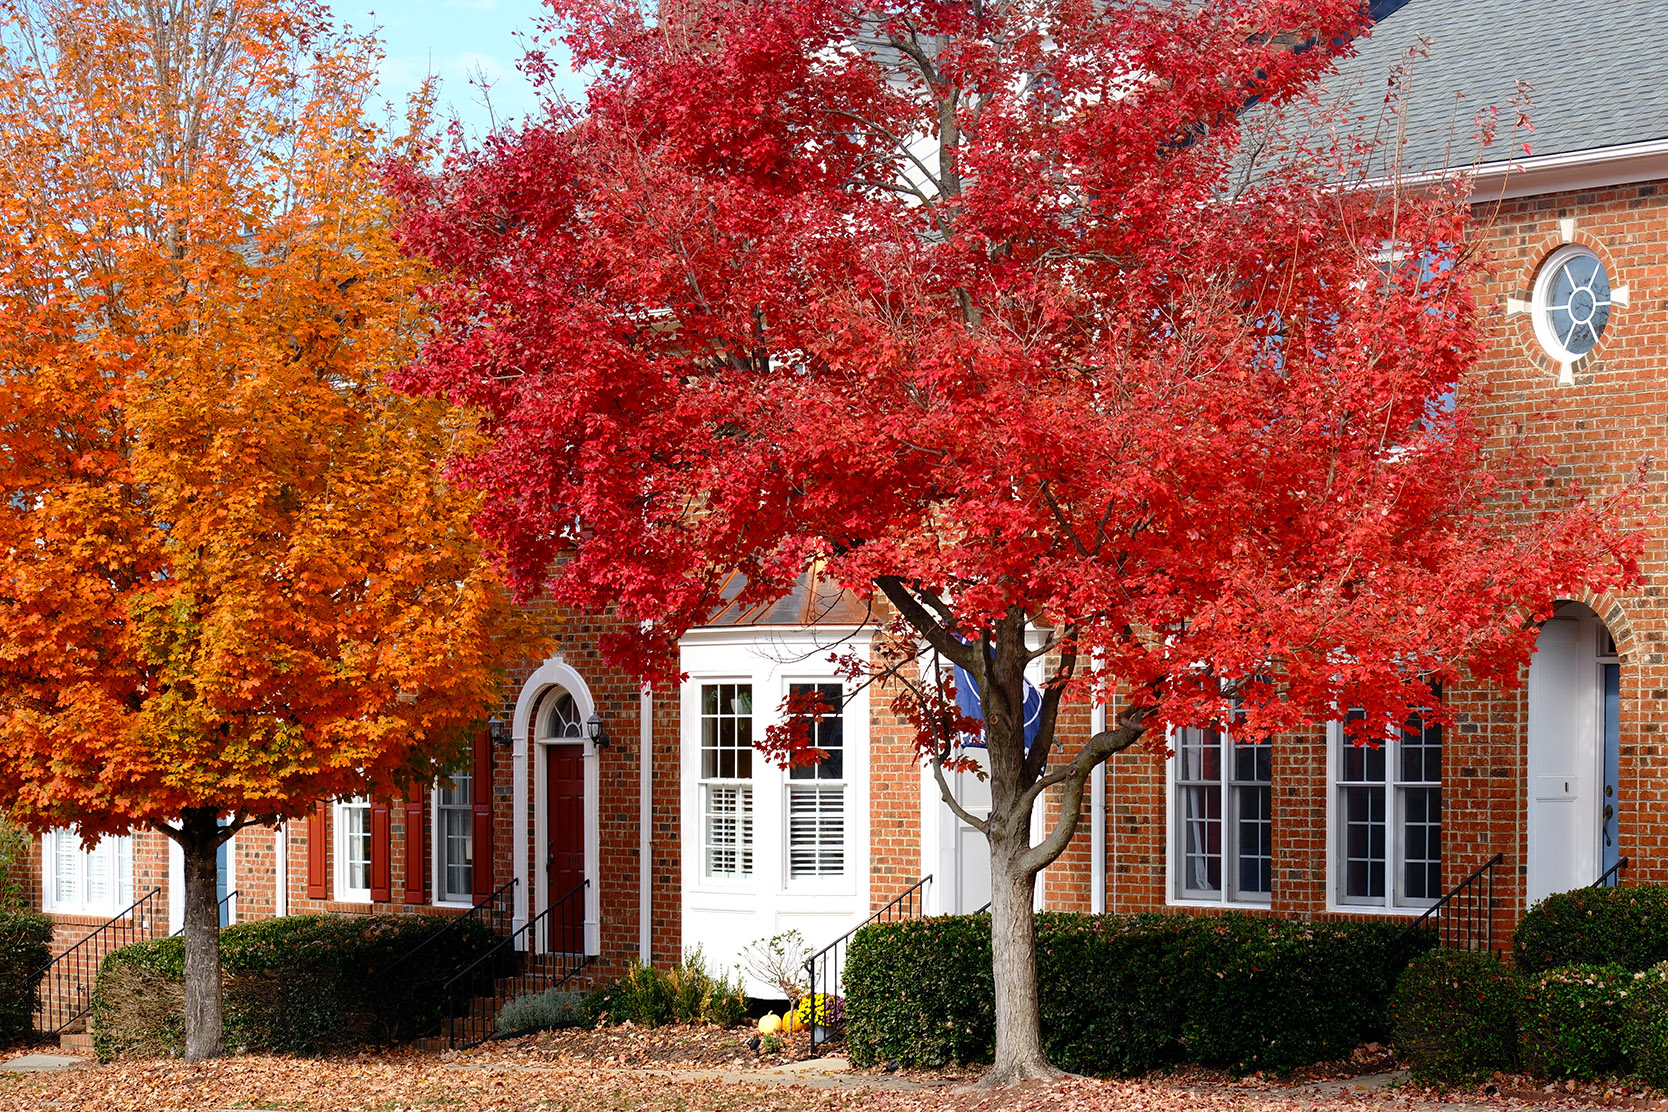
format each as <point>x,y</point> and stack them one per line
<point>1096,751</point>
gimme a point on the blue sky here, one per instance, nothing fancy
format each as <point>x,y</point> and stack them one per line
<point>455,39</point>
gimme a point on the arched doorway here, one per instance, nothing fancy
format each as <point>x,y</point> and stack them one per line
<point>1573,752</point>
<point>558,763</point>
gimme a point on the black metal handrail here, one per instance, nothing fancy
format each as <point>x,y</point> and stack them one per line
<point>1611,877</point>
<point>1465,916</point>
<point>543,954</point>
<point>496,909</point>
<point>228,898</point>
<point>823,969</point>
<point>66,982</point>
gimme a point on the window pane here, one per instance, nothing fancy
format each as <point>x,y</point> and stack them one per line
<point>726,731</point>
<point>458,791</point>
<point>1255,839</point>
<point>816,831</point>
<point>827,734</point>
<point>67,869</point>
<point>101,874</point>
<point>1202,839</point>
<point>1364,837</point>
<point>1199,755</point>
<point>1421,752</point>
<point>1422,843</point>
<point>1254,763</point>
<point>729,831</point>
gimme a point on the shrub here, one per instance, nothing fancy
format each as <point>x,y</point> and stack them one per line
<point>643,996</point>
<point>687,993</point>
<point>1121,994</point>
<point>542,1011</point>
<point>690,986</point>
<point>1454,1015</point>
<point>1263,993</point>
<point>1572,1021</point>
<point>920,992</point>
<point>1595,926</point>
<point>727,1005</point>
<point>1645,1035</point>
<point>303,984</point>
<point>25,948</point>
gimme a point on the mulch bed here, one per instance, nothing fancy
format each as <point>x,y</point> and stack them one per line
<point>662,1047</point>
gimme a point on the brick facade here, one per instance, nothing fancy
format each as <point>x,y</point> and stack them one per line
<point>1595,429</point>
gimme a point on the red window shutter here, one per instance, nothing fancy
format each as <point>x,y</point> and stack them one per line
<point>481,782</point>
<point>415,858</point>
<point>318,851</point>
<point>381,867</point>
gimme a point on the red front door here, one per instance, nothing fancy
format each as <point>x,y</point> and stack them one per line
<point>565,820</point>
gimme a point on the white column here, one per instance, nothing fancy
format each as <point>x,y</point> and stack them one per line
<point>518,833</point>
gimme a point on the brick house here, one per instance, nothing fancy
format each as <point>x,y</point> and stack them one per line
<point>683,836</point>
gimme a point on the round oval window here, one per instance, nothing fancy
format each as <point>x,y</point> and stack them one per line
<point>1572,303</point>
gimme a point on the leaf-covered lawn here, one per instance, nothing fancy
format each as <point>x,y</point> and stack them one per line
<point>506,1079</point>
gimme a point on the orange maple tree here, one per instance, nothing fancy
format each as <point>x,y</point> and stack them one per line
<point>232,579</point>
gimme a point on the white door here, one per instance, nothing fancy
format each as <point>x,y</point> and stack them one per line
<point>1564,775</point>
<point>962,869</point>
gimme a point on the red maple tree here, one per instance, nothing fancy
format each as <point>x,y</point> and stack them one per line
<point>987,309</point>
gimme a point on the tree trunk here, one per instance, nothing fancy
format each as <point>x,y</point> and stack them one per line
<point>1013,953</point>
<point>199,844</point>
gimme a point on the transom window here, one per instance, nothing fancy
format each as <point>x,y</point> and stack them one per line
<point>564,718</point>
<point>1223,812</point>
<point>353,850</point>
<point>1572,300</point>
<point>817,792</point>
<point>1389,806</point>
<point>726,779</point>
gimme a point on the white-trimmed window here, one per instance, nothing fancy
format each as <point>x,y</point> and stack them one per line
<point>1222,815</point>
<point>454,839</point>
<point>726,780</point>
<point>75,881</point>
<point>353,850</point>
<point>1571,302</point>
<point>1388,803</point>
<point>817,792</point>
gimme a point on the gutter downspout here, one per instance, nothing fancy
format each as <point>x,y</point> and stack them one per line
<point>281,870</point>
<point>645,816</point>
<point>1097,821</point>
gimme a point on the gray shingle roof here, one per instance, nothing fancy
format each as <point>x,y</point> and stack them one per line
<point>1598,74</point>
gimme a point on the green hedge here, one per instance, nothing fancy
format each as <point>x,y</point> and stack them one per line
<point>1595,926</point>
<point>1572,1021</point>
<point>1646,1036</point>
<point>304,984</point>
<point>25,948</point>
<point>1454,1016</point>
<point>1121,994</point>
